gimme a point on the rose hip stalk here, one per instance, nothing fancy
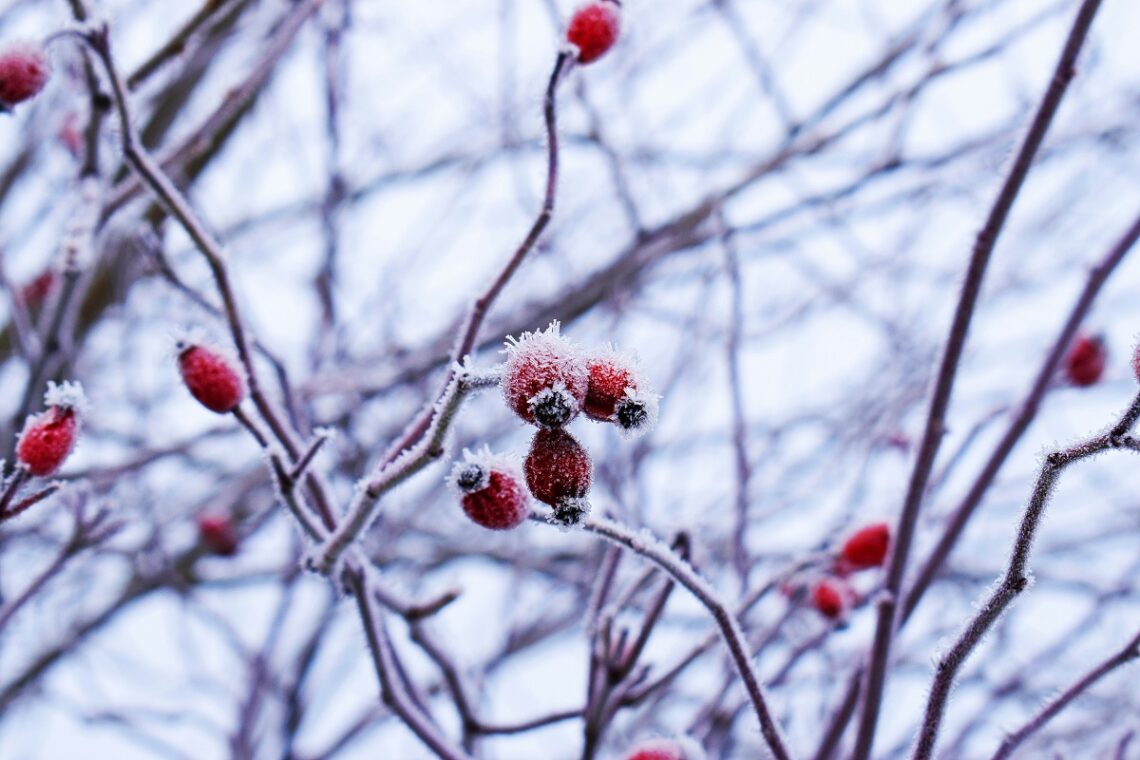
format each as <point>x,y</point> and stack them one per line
<point>49,437</point>
<point>24,70</point>
<point>491,490</point>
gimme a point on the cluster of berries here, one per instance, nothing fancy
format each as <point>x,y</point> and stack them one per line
<point>833,596</point>
<point>217,381</point>
<point>547,382</point>
<point>24,70</point>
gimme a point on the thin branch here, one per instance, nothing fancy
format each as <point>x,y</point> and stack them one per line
<point>940,398</point>
<point>1131,651</point>
<point>1016,578</point>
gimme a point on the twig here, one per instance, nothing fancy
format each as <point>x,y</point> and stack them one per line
<point>1131,651</point>
<point>940,398</point>
<point>653,550</point>
<point>1016,578</point>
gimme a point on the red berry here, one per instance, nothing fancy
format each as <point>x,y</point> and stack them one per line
<point>618,392</point>
<point>492,492</point>
<point>218,534</point>
<point>544,378</point>
<point>213,378</point>
<point>594,29</point>
<point>558,473</point>
<point>1085,362</point>
<point>831,597</point>
<point>867,547</point>
<point>36,291</point>
<point>668,749</point>
<point>24,70</point>
<point>49,437</point>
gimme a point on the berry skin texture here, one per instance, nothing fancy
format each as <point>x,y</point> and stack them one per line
<point>1085,361</point>
<point>867,547</point>
<point>544,378</point>
<point>594,28</point>
<point>213,378</point>
<point>47,440</point>
<point>618,392</point>
<point>491,490</point>
<point>830,598</point>
<point>218,534</point>
<point>559,473</point>
<point>24,70</point>
<point>683,748</point>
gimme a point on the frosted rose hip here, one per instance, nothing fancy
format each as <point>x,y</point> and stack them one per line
<point>48,438</point>
<point>682,748</point>
<point>218,534</point>
<point>867,547</point>
<point>594,28</point>
<point>619,393</point>
<point>491,491</point>
<point>544,378</point>
<point>24,70</point>
<point>1085,361</point>
<point>212,377</point>
<point>559,473</point>
<point>831,598</point>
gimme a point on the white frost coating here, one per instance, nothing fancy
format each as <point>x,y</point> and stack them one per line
<point>558,390</point>
<point>490,462</point>
<point>649,401</point>
<point>67,395</point>
<point>545,353</point>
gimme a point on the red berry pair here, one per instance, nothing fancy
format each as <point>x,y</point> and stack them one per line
<point>24,70</point>
<point>547,382</point>
<point>48,438</point>
<point>866,548</point>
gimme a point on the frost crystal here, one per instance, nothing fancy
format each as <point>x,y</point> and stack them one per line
<point>67,395</point>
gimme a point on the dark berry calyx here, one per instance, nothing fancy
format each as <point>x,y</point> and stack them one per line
<point>569,512</point>
<point>553,408</point>
<point>473,477</point>
<point>632,414</point>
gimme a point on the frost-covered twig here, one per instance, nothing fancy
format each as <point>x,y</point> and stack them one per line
<point>392,689</point>
<point>1016,577</point>
<point>1131,651</point>
<point>651,548</point>
<point>932,435</point>
<point>431,447</point>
